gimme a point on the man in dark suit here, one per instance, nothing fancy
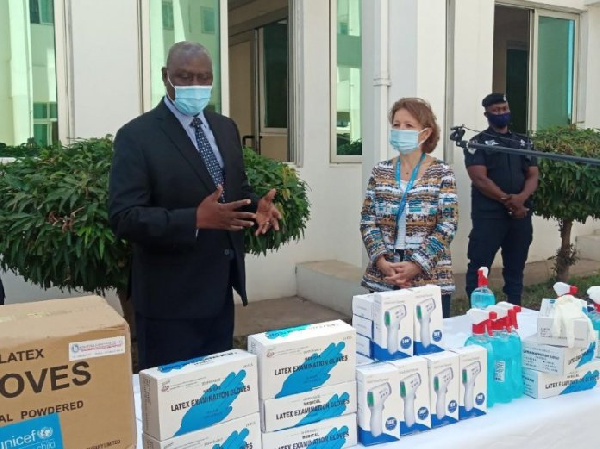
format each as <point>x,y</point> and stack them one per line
<point>179,193</point>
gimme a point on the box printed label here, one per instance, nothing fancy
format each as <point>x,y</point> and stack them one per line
<point>96,348</point>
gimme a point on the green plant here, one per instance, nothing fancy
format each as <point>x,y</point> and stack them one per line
<point>26,149</point>
<point>353,148</point>
<point>291,200</point>
<point>54,218</point>
<point>567,192</point>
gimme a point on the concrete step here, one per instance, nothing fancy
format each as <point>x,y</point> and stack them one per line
<point>330,283</point>
<point>588,246</point>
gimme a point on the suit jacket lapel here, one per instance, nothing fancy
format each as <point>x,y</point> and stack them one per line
<point>173,129</point>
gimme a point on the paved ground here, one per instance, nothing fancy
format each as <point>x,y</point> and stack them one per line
<point>284,312</point>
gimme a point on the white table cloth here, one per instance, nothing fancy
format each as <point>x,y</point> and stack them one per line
<point>562,422</point>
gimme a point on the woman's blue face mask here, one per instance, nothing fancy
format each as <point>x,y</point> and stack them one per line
<point>405,141</point>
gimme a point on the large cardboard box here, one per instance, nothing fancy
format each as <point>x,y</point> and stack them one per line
<point>65,376</point>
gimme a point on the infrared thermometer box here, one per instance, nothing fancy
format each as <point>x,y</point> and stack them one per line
<point>415,405</point>
<point>392,325</point>
<point>379,404</point>
<point>362,306</point>
<point>472,365</point>
<point>444,380</point>
<point>303,358</point>
<point>428,319</point>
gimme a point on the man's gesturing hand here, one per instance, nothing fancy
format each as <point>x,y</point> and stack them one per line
<point>211,214</point>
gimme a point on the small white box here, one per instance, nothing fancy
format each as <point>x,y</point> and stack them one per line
<point>415,400</point>
<point>473,372</point>
<point>186,396</point>
<point>300,359</point>
<point>554,359</point>
<point>364,346</point>
<point>392,325</point>
<point>581,328</point>
<point>543,385</point>
<point>362,306</point>
<point>379,403</point>
<point>363,326</point>
<point>336,432</point>
<point>237,433</point>
<point>308,408</point>
<point>429,319</point>
<point>444,380</point>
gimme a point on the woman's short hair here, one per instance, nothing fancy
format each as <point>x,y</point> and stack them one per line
<point>421,111</point>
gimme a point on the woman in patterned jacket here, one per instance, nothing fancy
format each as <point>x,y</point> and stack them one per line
<point>410,211</point>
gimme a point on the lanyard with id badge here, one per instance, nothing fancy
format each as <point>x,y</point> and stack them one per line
<point>403,200</point>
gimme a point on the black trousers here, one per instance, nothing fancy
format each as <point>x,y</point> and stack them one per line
<point>510,235</point>
<point>162,341</point>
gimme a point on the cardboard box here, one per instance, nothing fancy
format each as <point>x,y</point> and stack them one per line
<point>392,325</point>
<point>429,319</point>
<point>444,380</point>
<point>241,432</point>
<point>301,359</point>
<point>364,346</point>
<point>415,414</point>
<point>336,432</point>
<point>379,403</point>
<point>308,408</point>
<point>187,396</point>
<point>363,360</point>
<point>473,372</point>
<point>581,328</point>
<point>65,375</point>
<point>543,385</point>
<point>554,359</point>
<point>362,306</point>
<point>363,326</point>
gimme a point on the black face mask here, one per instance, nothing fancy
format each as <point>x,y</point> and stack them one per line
<point>498,120</point>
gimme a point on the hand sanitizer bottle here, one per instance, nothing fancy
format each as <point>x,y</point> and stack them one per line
<point>482,296</point>
<point>482,322</point>
<point>517,348</point>
<point>503,357</point>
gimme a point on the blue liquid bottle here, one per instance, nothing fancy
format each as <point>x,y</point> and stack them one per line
<point>503,357</point>
<point>482,296</point>
<point>594,295</point>
<point>517,348</point>
<point>482,322</point>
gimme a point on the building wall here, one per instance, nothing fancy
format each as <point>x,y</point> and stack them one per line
<point>107,93</point>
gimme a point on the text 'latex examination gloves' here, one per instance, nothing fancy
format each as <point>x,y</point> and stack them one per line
<point>567,308</point>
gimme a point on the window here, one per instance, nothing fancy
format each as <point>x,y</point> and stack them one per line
<point>41,11</point>
<point>172,22</point>
<point>537,70</point>
<point>274,75</point>
<point>346,82</point>
<point>28,91</point>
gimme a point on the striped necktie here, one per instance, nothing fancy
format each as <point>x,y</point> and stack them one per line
<point>210,160</point>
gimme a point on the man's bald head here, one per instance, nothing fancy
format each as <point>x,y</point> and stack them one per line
<point>186,50</point>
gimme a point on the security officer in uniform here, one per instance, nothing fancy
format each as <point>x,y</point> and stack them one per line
<point>502,185</point>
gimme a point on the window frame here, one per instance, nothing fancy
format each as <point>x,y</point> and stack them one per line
<point>533,97</point>
<point>333,156</point>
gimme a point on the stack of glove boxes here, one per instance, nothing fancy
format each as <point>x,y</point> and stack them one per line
<point>307,386</point>
<point>560,358</point>
<point>208,402</point>
<point>397,324</point>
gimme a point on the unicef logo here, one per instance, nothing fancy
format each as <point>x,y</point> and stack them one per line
<point>45,432</point>
<point>423,413</point>
<point>437,335</point>
<point>480,399</point>
<point>390,423</point>
<point>452,406</point>
<point>406,343</point>
<point>75,347</point>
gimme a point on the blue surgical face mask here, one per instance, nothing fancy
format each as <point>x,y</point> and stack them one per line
<point>498,120</point>
<point>405,141</point>
<point>191,100</point>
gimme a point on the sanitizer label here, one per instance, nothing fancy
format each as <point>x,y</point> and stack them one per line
<point>500,371</point>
